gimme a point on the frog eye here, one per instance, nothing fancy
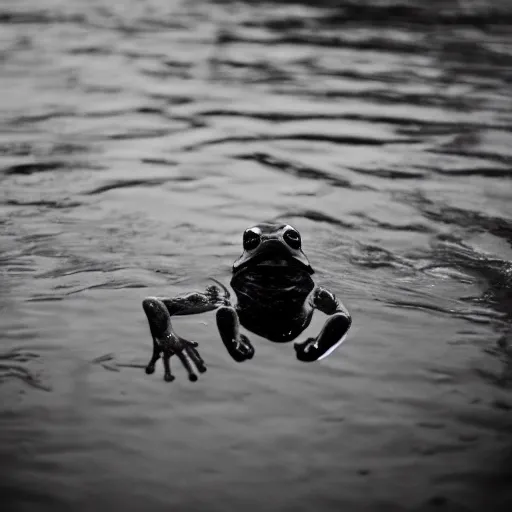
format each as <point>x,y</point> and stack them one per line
<point>252,238</point>
<point>292,238</point>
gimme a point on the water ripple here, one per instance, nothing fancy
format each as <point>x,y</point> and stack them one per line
<point>380,129</point>
<point>300,170</point>
<point>11,369</point>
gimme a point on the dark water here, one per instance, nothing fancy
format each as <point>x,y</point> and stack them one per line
<point>139,138</point>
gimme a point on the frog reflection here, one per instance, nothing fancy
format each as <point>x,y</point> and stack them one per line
<point>276,298</point>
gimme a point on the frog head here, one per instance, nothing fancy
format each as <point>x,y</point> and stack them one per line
<point>273,246</point>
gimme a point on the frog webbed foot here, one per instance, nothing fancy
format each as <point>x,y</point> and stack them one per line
<point>167,343</point>
<point>238,345</point>
<point>188,356</point>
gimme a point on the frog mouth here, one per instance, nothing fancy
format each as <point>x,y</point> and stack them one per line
<point>274,262</point>
<point>273,255</point>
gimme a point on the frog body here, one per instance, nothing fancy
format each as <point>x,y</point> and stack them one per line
<point>273,304</point>
<point>276,298</point>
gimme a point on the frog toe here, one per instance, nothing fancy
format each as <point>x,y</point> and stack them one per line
<point>194,355</point>
<point>306,351</point>
<point>245,347</point>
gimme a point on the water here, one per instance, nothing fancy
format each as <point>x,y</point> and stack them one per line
<point>139,139</point>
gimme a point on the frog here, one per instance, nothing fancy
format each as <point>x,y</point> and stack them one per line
<point>276,297</point>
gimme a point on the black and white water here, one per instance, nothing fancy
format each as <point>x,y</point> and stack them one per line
<point>138,139</point>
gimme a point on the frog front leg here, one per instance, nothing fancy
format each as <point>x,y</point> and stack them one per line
<point>333,332</point>
<point>238,345</point>
<point>166,342</point>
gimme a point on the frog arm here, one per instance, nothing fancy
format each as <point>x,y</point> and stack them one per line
<point>165,340</point>
<point>198,302</point>
<point>238,345</point>
<point>333,332</point>
<point>167,343</point>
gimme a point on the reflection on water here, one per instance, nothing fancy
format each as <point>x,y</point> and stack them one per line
<point>139,139</point>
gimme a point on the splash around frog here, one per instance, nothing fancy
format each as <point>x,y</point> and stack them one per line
<point>276,298</point>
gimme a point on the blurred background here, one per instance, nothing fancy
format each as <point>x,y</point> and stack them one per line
<point>138,139</point>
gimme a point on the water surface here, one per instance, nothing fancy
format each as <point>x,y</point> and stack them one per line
<point>139,139</point>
